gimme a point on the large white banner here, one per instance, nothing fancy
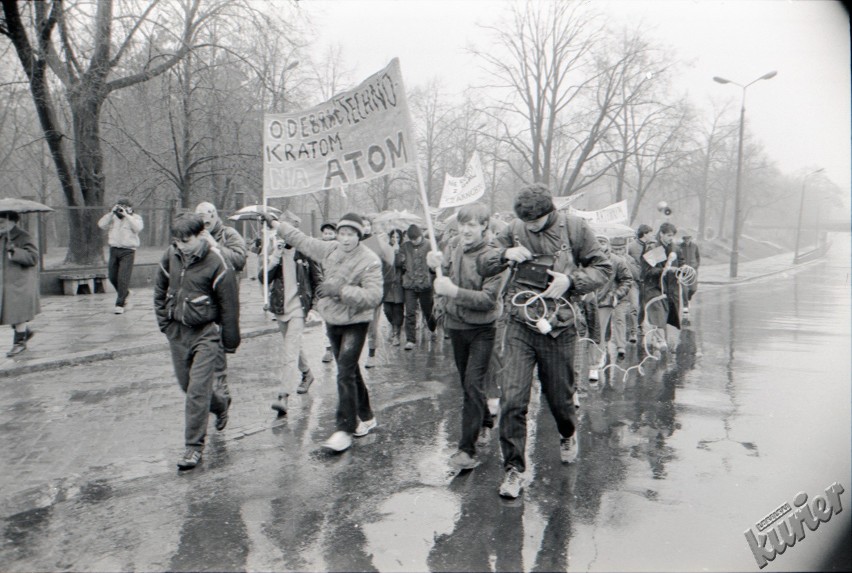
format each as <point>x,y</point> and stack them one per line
<point>465,189</point>
<point>615,213</point>
<point>356,136</point>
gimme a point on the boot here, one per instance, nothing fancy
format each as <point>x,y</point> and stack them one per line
<point>371,358</point>
<point>19,343</point>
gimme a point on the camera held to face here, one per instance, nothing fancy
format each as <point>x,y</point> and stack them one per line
<point>122,210</point>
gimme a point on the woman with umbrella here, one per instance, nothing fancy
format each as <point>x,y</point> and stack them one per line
<point>19,302</point>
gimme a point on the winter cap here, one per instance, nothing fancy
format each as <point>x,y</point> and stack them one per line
<point>354,221</point>
<point>414,231</point>
<point>329,225</point>
<point>205,208</point>
<point>533,202</point>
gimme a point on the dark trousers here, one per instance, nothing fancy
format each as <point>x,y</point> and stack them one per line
<point>412,299</point>
<point>472,352</point>
<point>554,356</point>
<point>195,352</point>
<point>353,401</point>
<point>395,313</point>
<point>120,271</point>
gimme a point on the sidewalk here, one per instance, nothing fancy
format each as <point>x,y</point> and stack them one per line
<point>80,329</point>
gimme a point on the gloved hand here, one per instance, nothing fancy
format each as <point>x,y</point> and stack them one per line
<point>434,259</point>
<point>445,287</point>
<point>517,254</point>
<point>558,285</point>
<point>269,219</point>
<point>329,288</point>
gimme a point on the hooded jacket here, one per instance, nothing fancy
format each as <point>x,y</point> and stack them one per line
<point>197,291</point>
<point>358,272</point>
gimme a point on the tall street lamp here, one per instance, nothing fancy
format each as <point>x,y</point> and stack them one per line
<point>735,244</point>
<point>801,209</point>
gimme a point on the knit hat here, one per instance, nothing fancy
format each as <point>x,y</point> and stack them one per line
<point>354,221</point>
<point>414,231</point>
<point>533,201</point>
<point>329,225</point>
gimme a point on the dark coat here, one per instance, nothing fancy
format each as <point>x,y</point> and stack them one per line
<point>19,277</point>
<point>392,275</point>
<point>666,310</point>
<point>416,274</point>
<point>308,277</point>
<point>198,291</point>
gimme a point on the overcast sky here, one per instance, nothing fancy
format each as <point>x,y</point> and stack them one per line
<point>802,116</point>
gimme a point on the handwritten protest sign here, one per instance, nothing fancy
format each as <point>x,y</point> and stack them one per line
<point>356,136</point>
<point>465,189</point>
<point>615,213</point>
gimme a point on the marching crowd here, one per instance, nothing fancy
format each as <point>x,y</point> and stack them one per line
<point>511,296</point>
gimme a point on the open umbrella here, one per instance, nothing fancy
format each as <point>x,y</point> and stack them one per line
<point>23,206</point>
<point>252,213</point>
<point>394,219</point>
<point>612,230</point>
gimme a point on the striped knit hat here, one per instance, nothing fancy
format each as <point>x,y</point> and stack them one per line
<point>353,220</point>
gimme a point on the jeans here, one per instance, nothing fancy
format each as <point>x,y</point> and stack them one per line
<point>291,353</point>
<point>614,320</point>
<point>412,299</point>
<point>472,352</point>
<point>394,312</point>
<point>525,349</point>
<point>373,330</point>
<point>194,357</point>
<point>120,271</point>
<point>353,401</point>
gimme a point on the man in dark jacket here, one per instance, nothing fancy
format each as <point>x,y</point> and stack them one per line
<point>691,258</point>
<point>197,307</point>
<point>417,282</point>
<point>544,312</point>
<point>473,305</point>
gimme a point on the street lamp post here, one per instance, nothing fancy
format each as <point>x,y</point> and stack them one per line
<point>735,242</point>
<point>801,210</point>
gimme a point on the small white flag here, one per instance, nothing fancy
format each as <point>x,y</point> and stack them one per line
<point>465,189</point>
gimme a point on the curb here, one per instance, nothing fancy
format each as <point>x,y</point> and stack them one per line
<point>757,277</point>
<point>100,355</point>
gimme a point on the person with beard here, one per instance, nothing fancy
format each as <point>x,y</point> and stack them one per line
<point>197,306</point>
<point>351,288</point>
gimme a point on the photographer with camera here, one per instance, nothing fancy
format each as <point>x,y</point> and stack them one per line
<point>555,259</point>
<point>124,227</point>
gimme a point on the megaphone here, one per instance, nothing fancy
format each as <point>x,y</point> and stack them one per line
<point>664,208</point>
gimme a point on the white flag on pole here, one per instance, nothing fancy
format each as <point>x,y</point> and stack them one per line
<point>465,189</point>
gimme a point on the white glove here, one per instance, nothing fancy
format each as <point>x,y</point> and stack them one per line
<point>558,285</point>
<point>445,287</point>
<point>434,259</point>
<point>517,254</point>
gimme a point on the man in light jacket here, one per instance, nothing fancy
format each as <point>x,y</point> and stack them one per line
<point>124,227</point>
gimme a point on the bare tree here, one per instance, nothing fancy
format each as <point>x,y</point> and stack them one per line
<point>85,57</point>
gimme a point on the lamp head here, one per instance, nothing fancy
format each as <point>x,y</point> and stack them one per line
<point>719,80</point>
<point>769,75</point>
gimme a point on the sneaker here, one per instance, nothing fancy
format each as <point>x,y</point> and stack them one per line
<point>463,461</point>
<point>17,348</point>
<point>280,405</point>
<point>593,375</point>
<point>307,380</point>
<point>222,419</point>
<point>569,449</point>
<point>338,441</point>
<point>395,340</point>
<point>191,458</point>
<point>620,354</point>
<point>512,484</point>
<point>484,436</point>
<point>328,356</point>
<point>119,310</point>
<point>364,427</point>
<point>409,345</point>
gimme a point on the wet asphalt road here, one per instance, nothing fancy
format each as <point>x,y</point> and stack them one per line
<point>676,462</point>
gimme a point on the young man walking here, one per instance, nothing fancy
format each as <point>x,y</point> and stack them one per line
<point>417,283</point>
<point>556,260</point>
<point>473,305</point>
<point>197,307</point>
<point>124,227</point>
